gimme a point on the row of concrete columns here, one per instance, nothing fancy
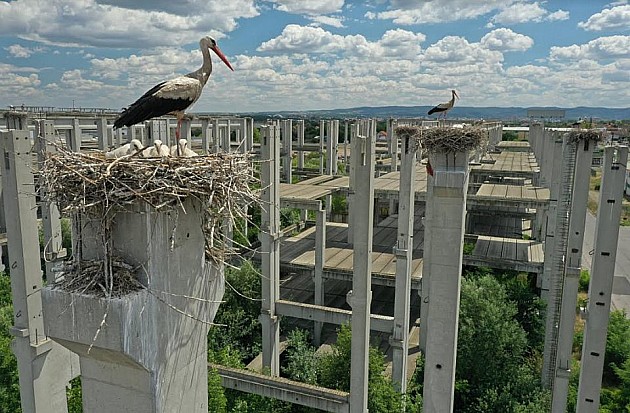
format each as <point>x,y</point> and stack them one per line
<point>565,168</point>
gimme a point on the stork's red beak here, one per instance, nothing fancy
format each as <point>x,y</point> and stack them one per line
<point>222,57</point>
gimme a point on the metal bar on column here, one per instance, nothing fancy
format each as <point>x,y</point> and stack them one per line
<point>269,236</point>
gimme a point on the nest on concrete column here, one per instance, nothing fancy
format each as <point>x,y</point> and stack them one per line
<point>96,187</point>
<point>584,135</point>
<point>446,139</point>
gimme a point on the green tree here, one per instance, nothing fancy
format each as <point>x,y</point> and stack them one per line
<point>335,373</point>
<point>9,382</point>
<point>237,317</point>
<point>494,373</point>
<point>617,345</point>
<point>300,359</point>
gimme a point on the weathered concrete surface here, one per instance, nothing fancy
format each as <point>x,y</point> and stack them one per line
<point>150,352</point>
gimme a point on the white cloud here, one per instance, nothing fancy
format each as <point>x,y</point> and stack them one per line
<point>333,21</point>
<point>311,7</point>
<point>86,22</point>
<point>17,50</point>
<point>527,12</point>
<point>598,49</point>
<point>407,12</point>
<point>506,40</point>
<point>608,19</point>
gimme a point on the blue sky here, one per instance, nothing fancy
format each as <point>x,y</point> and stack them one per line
<point>319,54</point>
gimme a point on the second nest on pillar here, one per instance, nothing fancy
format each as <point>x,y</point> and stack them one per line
<point>445,139</point>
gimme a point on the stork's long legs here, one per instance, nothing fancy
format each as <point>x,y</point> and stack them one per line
<point>177,134</point>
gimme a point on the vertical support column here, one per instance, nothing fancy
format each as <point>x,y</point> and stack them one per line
<point>185,131</point>
<point>392,141</point>
<point>573,266</point>
<point>403,252</point>
<point>205,141</point>
<point>602,273</point>
<point>322,138</point>
<point>351,186</point>
<point>269,237</point>
<point>287,136</point>
<point>101,131</point>
<point>555,248</point>
<point>132,133</point>
<point>44,368</point>
<point>360,297</point>
<point>215,135</point>
<point>118,137</point>
<point>345,145</point>
<point>300,142</point>
<point>249,134</point>
<point>51,219</point>
<point>331,147</point>
<point>75,135</point>
<point>320,259</point>
<point>445,235</point>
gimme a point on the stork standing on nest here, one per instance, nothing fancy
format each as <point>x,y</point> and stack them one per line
<point>445,107</point>
<point>176,95</point>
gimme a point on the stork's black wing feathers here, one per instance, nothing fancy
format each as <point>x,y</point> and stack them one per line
<point>436,110</point>
<point>149,106</point>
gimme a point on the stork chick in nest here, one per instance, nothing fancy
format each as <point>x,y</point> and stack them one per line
<point>127,149</point>
<point>182,150</point>
<point>158,149</point>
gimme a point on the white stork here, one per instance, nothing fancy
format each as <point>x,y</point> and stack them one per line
<point>445,107</point>
<point>181,149</point>
<point>127,149</point>
<point>158,149</point>
<point>173,96</point>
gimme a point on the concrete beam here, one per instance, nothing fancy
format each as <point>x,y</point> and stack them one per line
<point>283,389</point>
<point>331,315</point>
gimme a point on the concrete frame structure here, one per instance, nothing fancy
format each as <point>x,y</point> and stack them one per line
<point>442,269</point>
<point>44,367</point>
<point>602,273</point>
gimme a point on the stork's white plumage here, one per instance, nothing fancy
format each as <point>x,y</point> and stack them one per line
<point>445,107</point>
<point>158,149</point>
<point>182,150</point>
<point>176,95</point>
<point>127,149</point>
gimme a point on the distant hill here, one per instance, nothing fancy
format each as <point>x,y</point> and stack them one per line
<point>462,112</point>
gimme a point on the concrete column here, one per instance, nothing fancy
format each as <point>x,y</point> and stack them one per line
<point>573,266</point>
<point>150,354</point>
<point>345,145</point>
<point>360,297</point>
<point>602,273</point>
<point>51,219</point>
<point>185,131</point>
<point>555,249</point>
<point>320,259</point>
<point>101,130</point>
<point>270,239</point>
<point>444,233</point>
<point>118,137</point>
<point>44,367</point>
<point>287,136</point>
<point>392,141</point>
<point>354,132</point>
<point>300,136</point>
<point>322,138</point>
<point>332,127</point>
<point>227,138</point>
<point>215,136</point>
<point>249,134</point>
<point>205,135</point>
<point>75,135</point>
<point>404,255</point>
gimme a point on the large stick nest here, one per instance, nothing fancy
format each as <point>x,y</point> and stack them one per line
<point>584,135</point>
<point>90,184</point>
<point>446,139</point>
